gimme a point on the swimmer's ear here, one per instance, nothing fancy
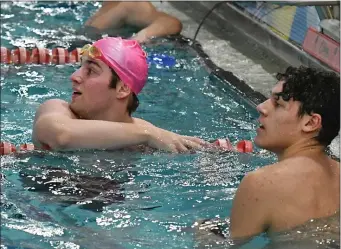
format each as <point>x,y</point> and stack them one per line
<point>122,90</point>
<point>312,123</point>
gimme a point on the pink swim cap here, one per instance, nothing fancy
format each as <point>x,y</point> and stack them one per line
<point>127,59</point>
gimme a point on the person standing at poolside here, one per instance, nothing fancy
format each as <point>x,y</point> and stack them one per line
<point>113,72</point>
<point>143,16</point>
<point>297,123</point>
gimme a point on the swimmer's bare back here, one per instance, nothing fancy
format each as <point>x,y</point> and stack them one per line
<point>309,187</point>
<point>315,229</point>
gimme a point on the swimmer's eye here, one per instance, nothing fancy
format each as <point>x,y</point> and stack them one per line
<point>285,96</point>
<point>274,100</point>
<point>89,71</point>
<point>88,68</point>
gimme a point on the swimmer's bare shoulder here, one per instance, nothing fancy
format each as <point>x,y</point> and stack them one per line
<point>293,172</point>
<point>54,106</point>
<point>308,189</point>
<point>50,109</point>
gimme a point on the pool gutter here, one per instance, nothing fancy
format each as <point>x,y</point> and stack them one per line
<point>250,95</point>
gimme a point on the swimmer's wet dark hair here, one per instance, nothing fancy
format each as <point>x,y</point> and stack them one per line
<point>133,101</point>
<point>318,92</point>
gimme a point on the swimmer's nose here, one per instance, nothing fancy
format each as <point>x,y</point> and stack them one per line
<point>76,77</point>
<point>261,108</point>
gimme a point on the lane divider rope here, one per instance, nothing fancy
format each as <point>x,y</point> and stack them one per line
<point>243,146</point>
<point>22,55</point>
<point>60,56</point>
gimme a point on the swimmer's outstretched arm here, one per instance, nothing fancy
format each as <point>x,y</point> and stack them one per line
<point>143,15</point>
<point>110,15</point>
<point>154,23</point>
<point>161,25</point>
<point>56,127</point>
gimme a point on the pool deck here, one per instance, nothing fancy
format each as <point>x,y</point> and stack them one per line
<point>235,45</point>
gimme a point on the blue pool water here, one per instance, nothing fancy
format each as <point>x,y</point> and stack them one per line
<point>100,199</point>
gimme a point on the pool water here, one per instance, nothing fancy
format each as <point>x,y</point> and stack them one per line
<point>101,199</point>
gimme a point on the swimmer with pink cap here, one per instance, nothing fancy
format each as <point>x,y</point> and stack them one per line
<point>125,57</point>
<point>112,72</point>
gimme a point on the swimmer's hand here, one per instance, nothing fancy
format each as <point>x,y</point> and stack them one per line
<point>141,37</point>
<point>172,142</point>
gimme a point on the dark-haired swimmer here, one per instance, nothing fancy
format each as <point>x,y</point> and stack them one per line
<point>297,123</point>
<point>113,72</point>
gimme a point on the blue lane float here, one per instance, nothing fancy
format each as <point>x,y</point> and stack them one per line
<point>161,59</point>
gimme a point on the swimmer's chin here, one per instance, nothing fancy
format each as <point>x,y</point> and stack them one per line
<point>76,114</point>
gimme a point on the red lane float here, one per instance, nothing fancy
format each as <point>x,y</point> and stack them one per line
<point>60,56</point>
<point>224,144</point>
<point>5,55</point>
<point>26,147</point>
<point>243,146</point>
<point>75,55</point>
<point>41,56</point>
<point>7,148</point>
<point>22,55</point>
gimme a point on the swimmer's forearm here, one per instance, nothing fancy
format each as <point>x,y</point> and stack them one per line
<point>110,15</point>
<point>162,26</point>
<point>93,134</point>
<point>96,134</point>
